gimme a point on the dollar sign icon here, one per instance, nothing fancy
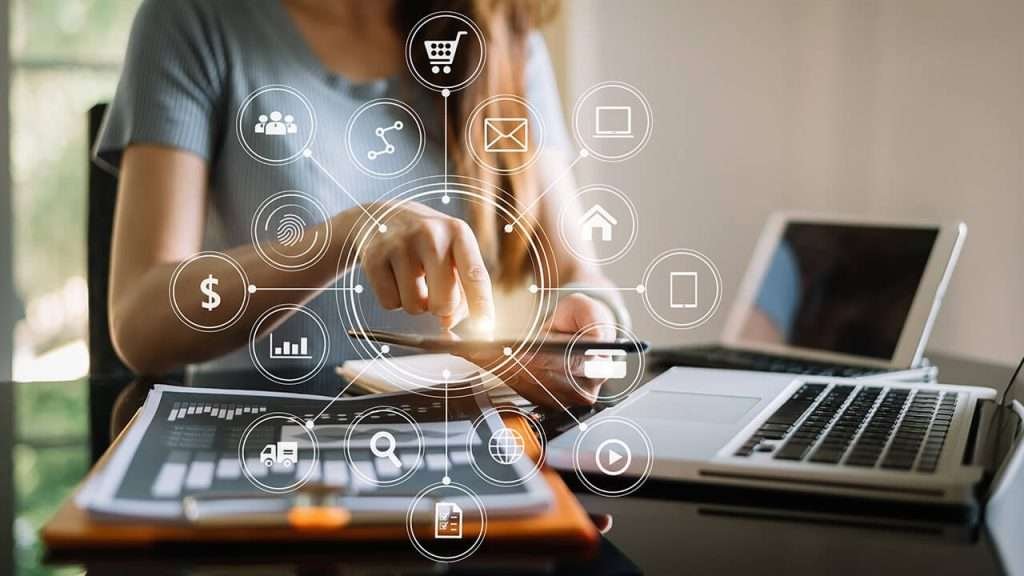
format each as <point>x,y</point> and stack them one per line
<point>212,298</point>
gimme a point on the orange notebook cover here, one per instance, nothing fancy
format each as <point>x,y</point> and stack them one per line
<point>565,523</point>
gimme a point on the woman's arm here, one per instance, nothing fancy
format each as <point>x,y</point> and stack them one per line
<point>425,262</point>
<point>158,223</point>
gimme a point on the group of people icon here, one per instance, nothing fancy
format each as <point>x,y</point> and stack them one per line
<point>276,124</point>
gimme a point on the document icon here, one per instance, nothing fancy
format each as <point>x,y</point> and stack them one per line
<point>682,290</point>
<point>506,135</point>
<point>447,520</point>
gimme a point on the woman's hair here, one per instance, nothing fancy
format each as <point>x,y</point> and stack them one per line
<point>506,25</point>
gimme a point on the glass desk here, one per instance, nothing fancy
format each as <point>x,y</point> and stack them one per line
<point>659,530</point>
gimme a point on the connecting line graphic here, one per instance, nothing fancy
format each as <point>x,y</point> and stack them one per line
<point>383,350</point>
<point>582,425</point>
<point>445,199</point>
<point>568,170</point>
<point>446,479</point>
<point>445,93</point>
<point>358,289</point>
<point>639,289</point>
<point>309,154</point>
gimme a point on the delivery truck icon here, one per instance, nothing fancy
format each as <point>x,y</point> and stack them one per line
<point>284,453</point>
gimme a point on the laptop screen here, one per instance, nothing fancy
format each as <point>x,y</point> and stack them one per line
<point>1015,388</point>
<point>839,288</point>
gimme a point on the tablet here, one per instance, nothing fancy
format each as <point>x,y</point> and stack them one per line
<point>551,344</point>
<point>846,290</point>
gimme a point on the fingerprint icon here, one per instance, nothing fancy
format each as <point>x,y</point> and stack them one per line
<point>285,230</point>
<point>290,230</point>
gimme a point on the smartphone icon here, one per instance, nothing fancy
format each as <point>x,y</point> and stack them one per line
<point>682,290</point>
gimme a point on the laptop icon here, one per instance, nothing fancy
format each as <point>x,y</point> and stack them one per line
<point>613,122</point>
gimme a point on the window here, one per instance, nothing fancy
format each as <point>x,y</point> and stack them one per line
<point>65,57</point>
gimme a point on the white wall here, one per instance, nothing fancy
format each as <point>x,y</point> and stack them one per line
<point>899,107</point>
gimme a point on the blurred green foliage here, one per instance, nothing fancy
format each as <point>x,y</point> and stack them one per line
<point>77,30</point>
<point>49,155</point>
<point>65,56</point>
<point>44,477</point>
<point>47,410</point>
<point>51,456</point>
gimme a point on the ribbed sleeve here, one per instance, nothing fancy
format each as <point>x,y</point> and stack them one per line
<point>170,86</point>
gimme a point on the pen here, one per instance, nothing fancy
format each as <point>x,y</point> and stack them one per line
<point>313,506</point>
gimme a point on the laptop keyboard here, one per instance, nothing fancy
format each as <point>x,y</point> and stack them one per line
<point>890,428</point>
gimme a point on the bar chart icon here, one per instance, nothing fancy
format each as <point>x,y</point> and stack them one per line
<point>290,350</point>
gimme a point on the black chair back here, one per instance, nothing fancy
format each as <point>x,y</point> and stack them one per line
<point>107,374</point>
<point>103,360</point>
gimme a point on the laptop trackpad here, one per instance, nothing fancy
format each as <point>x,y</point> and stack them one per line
<point>692,407</point>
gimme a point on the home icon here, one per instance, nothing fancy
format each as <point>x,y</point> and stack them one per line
<point>597,218</point>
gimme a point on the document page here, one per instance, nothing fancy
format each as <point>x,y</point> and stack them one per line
<point>377,452</point>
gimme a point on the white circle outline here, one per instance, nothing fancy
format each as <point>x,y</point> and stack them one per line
<point>419,446</point>
<point>411,532</point>
<point>718,289</point>
<point>269,258</point>
<point>634,219</point>
<point>540,437</point>
<point>647,129</point>
<point>239,129</point>
<point>507,360</point>
<point>618,330</point>
<point>356,157</point>
<point>174,297</point>
<point>254,338</point>
<point>636,483</point>
<point>414,190</point>
<point>410,41</point>
<point>534,117</point>
<point>245,437</point>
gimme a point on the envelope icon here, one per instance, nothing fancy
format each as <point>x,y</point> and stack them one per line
<point>506,135</point>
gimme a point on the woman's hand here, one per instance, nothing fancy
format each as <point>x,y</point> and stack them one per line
<point>427,261</point>
<point>572,313</point>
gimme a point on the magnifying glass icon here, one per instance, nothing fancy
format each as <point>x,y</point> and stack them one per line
<point>389,447</point>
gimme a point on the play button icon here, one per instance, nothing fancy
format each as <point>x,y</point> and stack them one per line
<point>610,450</point>
<point>613,457</point>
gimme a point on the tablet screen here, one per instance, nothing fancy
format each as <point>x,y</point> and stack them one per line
<point>839,288</point>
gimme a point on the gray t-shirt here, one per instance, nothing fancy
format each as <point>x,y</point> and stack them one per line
<point>190,66</point>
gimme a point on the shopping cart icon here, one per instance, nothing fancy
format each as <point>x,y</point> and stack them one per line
<point>441,53</point>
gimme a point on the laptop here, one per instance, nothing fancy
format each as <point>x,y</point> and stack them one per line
<point>872,440</point>
<point>835,296</point>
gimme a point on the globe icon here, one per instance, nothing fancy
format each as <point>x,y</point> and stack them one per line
<point>506,446</point>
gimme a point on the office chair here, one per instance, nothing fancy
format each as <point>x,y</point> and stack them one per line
<point>107,374</point>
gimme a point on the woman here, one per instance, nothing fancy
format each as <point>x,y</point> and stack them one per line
<point>186,185</point>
